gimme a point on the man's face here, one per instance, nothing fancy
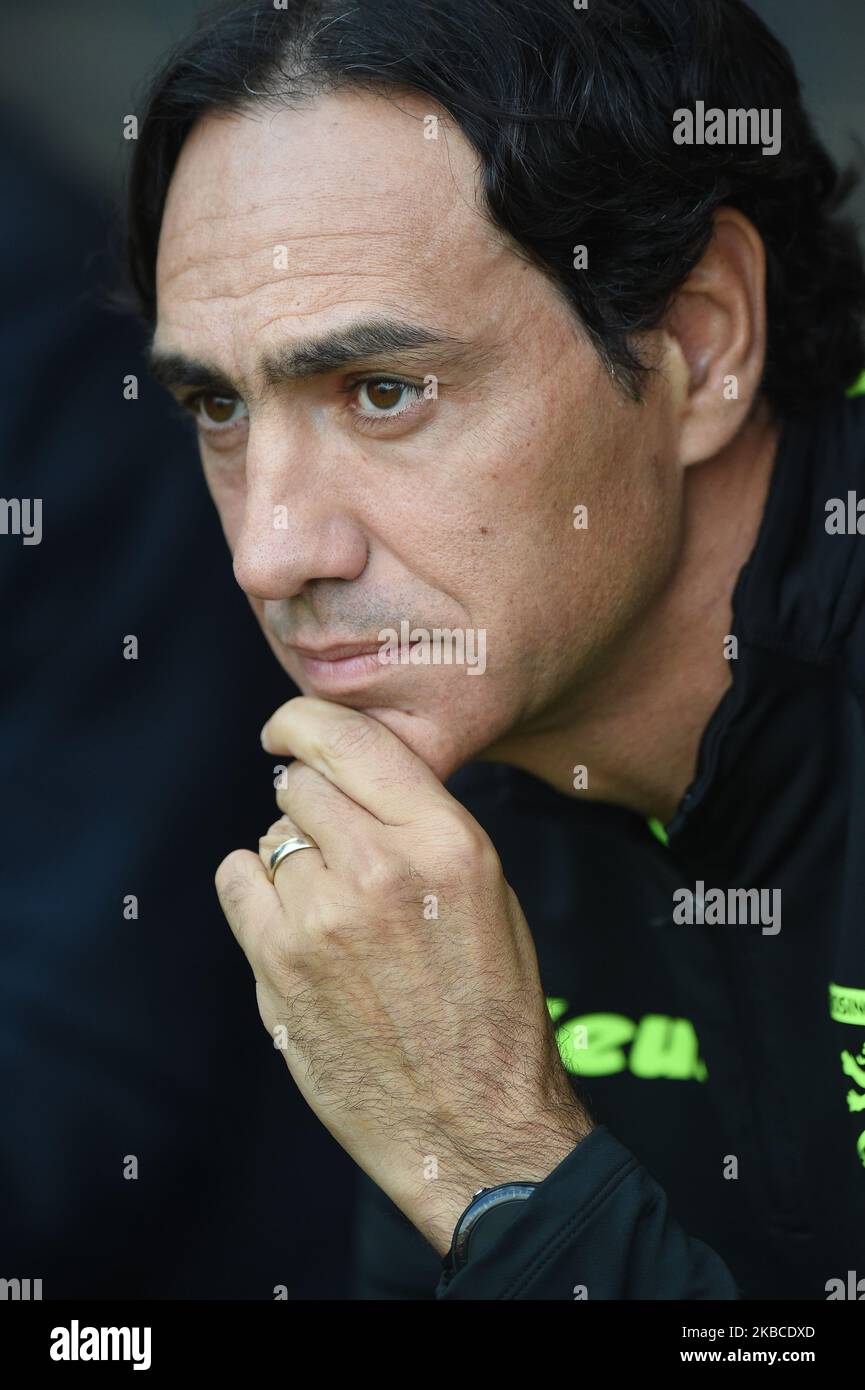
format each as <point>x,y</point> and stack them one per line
<point>367,495</point>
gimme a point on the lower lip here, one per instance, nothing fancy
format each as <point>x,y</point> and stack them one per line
<point>345,670</point>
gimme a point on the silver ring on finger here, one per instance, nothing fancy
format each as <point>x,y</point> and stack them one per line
<point>290,846</point>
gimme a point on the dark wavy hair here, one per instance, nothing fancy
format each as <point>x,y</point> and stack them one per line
<point>571,114</point>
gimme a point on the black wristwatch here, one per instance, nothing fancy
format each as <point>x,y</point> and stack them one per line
<point>490,1212</point>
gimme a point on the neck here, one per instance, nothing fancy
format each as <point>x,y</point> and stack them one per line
<point>638,730</point>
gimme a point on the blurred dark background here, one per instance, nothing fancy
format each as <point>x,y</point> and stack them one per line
<point>137,1037</point>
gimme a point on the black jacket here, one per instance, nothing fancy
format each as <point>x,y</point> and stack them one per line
<point>723,1064</point>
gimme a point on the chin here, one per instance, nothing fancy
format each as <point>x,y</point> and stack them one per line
<point>424,735</point>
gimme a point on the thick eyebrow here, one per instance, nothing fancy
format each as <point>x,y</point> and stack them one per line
<point>174,371</point>
<point>331,352</point>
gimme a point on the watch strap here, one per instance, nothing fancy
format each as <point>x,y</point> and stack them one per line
<point>490,1212</point>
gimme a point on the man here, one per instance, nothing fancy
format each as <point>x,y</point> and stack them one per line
<point>522,401</point>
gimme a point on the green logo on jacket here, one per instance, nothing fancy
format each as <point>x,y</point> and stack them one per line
<point>653,1047</point>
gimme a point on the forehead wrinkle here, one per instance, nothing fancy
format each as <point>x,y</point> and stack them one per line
<point>415,227</point>
<point>317,206</point>
<point>417,237</point>
<point>314,266</point>
<point>238,295</point>
<point>365,211</point>
<point>279,237</point>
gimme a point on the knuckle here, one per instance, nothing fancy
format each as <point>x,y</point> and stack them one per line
<point>231,879</point>
<point>382,876</point>
<point>469,847</point>
<point>330,925</point>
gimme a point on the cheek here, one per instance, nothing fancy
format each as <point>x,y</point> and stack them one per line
<point>584,527</point>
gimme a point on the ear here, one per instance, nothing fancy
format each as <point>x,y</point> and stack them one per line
<point>718,327</point>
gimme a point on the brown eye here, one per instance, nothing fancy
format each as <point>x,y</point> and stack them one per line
<point>218,409</point>
<point>383,398</point>
<point>215,413</point>
<point>384,395</point>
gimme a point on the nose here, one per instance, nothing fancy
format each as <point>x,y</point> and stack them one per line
<point>297,525</point>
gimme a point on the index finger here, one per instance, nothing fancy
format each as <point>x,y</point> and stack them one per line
<point>358,754</point>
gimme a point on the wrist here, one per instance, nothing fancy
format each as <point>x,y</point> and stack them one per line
<point>528,1157</point>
